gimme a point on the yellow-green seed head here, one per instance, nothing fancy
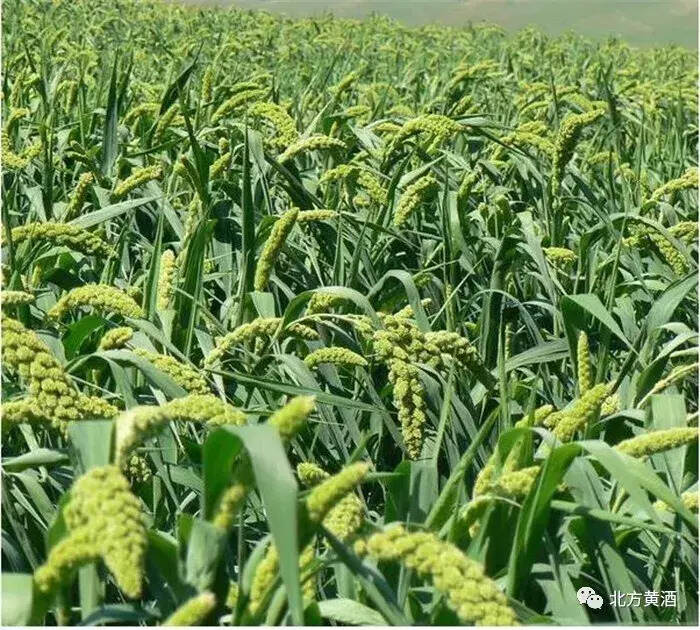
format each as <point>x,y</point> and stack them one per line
<point>166,279</point>
<point>291,418</point>
<point>516,484</point>
<point>575,418</point>
<point>345,83</point>
<point>539,416</point>
<point>104,520</point>
<point>116,338</point>
<point>611,405</point>
<point>441,345</point>
<point>101,297</point>
<point>399,347</point>
<point>355,175</point>
<point>277,117</point>
<point>138,470</point>
<point>308,580</point>
<point>346,518</point>
<point>141,111</point>
<point>475,509</point>
<point>232,596</point>
<point>323,302</point>
<point>264,576</point>
<point>229,504</point>
<point>220,165</point>
<point>140,423</point>
<point>407,311</point>
<point>658,441</point>
<point>65,557</point>
<point>193,612</point>
<point>65,234</point>
<point>486,477</point>
<point>328,493</point>
<point>311,474</point>
<point>685,231</point>
<point>468,181</point>
<point>559,256</point>
<point>166,121</point>
<point>183,374</point>
<point>137,178</point>
<point>689,499</point>
<point>336,356</point>
<point>340,173</point>
<point>308,216</point>
<point>77,199</point>
<point>418,192</point>
<point>15,298</point>
<point>261,328</point>
<point>53,395</point>
<point>566,140</point>
<point>434,128</point>
<point>312,143</point>
<point>472,595</point>
<point>669,253</point>
<point>273,246</point>
<point>238,100</point>
<point>13,161</point>
<point>207,83</point>
<point>585,380</point>
<point>689,180</point>
<point>677,374</point>
<point>409,399</point>
<point>22,411</point>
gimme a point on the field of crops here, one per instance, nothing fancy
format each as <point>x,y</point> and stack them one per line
<point>327,321</point>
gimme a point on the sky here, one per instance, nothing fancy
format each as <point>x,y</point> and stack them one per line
<point>639,22</point>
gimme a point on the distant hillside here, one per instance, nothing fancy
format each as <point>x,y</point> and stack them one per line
<point>640,22</point>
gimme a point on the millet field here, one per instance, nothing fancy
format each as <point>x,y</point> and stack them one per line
<point>342,322</point>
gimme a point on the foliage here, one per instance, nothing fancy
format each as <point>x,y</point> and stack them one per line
<point>441,272</point>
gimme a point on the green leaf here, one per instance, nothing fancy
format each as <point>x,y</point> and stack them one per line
<point>423,489</point>
<point>204,552</point>
<point>296,390</point>
<point>90,588</point>
<point>398,499</point>
<point>175,87</point>
<point>110,136</point>
<point>296,305</point>
<point>118,614</point>
<point>150,298</point>
<point>349,612</point>
<point>35,458</point>
<point>109,212</point>
<point>534,515</point>
<point>605,515</point>
<point>162,552</point>
<point>278,488</point>
<point>446,502</point>
<point>247,227</point>
<point>574,309</point>
<point>412,294</point>
<point>219,452</point>
<point>372,582</point>
<point>665,305</point>
<point>159,379</point>
<point>187,300</point>
<point>542,353</point>
<point>79,331</point>
<point>668,412</point>
<point>92,442</point>
<point>634,476</point>
<point>17,599</point>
